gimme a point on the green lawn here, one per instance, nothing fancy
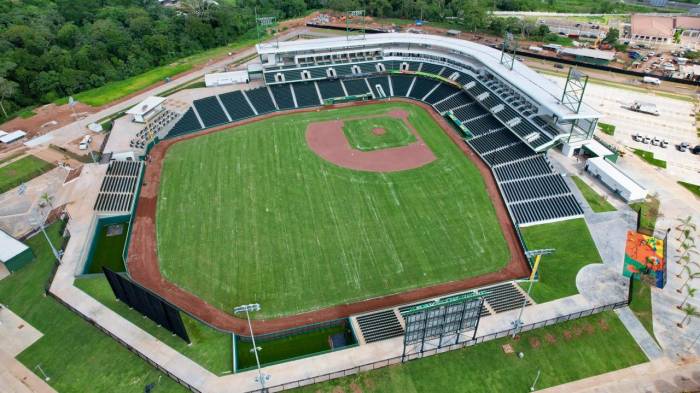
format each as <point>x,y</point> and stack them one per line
<point>641,304</point>
<point>574,250</point>
<point>365,134</point>
<point>649,210</point>
<point>300,345</point>
<point>607,128</point>
<point>210,348</point>
<point>597,202</point>
<point>113,91</point>
<point>108,250</point>
<point>563,353</point>
<point>694,188</point>
<point>253,215</point>
<point>77,356</point>
<point>648,157</point>
<point>21,171</point>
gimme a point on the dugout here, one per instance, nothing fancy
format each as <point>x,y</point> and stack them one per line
<point>293,344</point>
<point>13,253</point>
<point>107,245</point>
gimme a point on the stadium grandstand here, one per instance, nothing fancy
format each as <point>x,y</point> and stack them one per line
<point>509,116</point>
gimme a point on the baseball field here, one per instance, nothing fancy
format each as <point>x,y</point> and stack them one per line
<point>262,213</point>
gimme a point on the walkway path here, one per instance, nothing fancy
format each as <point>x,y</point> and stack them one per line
<point>645,341</point>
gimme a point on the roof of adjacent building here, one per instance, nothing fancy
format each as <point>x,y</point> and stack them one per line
<point>541,89</point>
<point>592,53</point>
<point>622,179</point>
<point>146,106</point>
<point>10,247</point>
<point>655,25</point>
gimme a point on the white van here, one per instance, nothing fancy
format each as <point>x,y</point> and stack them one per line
<point>85,142</point>
<point>652,80</point>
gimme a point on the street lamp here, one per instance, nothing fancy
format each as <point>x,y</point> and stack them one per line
<point>38,220</point>
<point>247,308</point>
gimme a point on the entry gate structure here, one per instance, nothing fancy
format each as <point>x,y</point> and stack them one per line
<point>444,322</point>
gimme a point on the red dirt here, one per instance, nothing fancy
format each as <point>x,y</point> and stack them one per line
<point>327,140</point>
<point>378,131</point>
<point>143,253</point>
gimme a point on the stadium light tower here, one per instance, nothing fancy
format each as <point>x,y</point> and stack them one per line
<point>538,256</point>
<point>247,308</point>
<point>350,14</point>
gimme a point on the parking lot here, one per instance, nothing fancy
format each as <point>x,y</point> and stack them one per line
<point>675,123</point>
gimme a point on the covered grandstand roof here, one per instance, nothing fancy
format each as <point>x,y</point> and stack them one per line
<point>536,86</point>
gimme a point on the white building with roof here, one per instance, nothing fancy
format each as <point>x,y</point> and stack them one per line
<point>140,113</point>
<point>13,253</point>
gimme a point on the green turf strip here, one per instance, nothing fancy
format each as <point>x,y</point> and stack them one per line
<point>74,354</point>
<point>108,250</point>
<point>574,249</point>
<point>597,202</point>
<point>361,134</point>
<point>253,215</point>
<point>595,345</point>
<point>210,348</point>
<point>21,171</point>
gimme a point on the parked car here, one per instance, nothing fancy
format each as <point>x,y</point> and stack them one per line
<point>696,149</point>
<point>637,137</point>
<point>646,139</point>
<point>656,141</point>
<point>683,146</point>
<point>85,142</point>
<point>559,66</point>
<point>664,143</point>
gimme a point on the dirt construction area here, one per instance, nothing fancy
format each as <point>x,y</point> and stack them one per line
<point>143,259</point>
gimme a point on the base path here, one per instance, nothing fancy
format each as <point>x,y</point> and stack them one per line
<point>142,261</point>
<point>327,139</point>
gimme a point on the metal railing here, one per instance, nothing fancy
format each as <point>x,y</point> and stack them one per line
<point>434,351</point>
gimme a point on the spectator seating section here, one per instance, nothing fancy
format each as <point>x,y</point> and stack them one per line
<point>118,187</point>
<point>330,89</point>
<point>356,86</point>
<point>306,94</point>
<point>187,123</point>
<point>283,96</point>
<point>379,326</point>
<point>260,98</point>
<point>210,111</point>
<point>431,68</point>
<point>421,87</point>
<point>236,105</point>
<point>443,91</point>
<point>383,81</point>
<point>401,84</point>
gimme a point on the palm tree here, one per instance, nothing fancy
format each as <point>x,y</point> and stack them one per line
<point>686,245</point>
<point>47,199</point>
<point>686,266</point>
<point>686,226</point>
<point>691,276</point>
<point>689,292</point>
<point>689,311</point>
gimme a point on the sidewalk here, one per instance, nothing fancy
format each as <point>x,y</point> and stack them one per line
<point>645,341</point>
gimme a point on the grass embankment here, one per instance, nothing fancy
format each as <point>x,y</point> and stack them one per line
<point>574,249</point>
<point>365,134</point>
<point>694,188</point>
<point>649,211</point>
<point>562,353</point>
<point>314,234</point>
<point>640,305</point>
<point>210,348</point>
<point>74,354</point>
<point>648,157</point>
<point>598,203</point>
<point>607,128</point>
<point>21,171</point>
<point>113,91</point>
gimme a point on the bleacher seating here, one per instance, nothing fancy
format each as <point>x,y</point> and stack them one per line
<point>504,297</point>
<point>484,125</point>
<point>546,209</point>
<point>469,112</point>
<point>356,86</point>
<point>453,102</point>
<point>260,98</point>
<point>306,94</point>
<point>493,141</point>
<point>533,188</point>
<point>401,84</point>
<point>379,326</point>
<point>368,68</point>
<point>236,105</point>
<point>283,96</point>
<point>536,166</point>
<point>330,89</point>
<point>421,87</point>
<point>210,111</point>
<point>509,154</point>
<point>431,68</point>
<point>383,81</point>
<point>187,123</point>
<point>118,187</point>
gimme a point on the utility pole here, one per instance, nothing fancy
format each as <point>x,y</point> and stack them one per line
<point>247,308</point>
<point>38,220</point>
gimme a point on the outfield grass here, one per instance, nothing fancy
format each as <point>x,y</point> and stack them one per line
<point>253,215</point>
<point>595,345</point>
<point>574,250</point>
<point>361,136</point>
<point>597,202</point>
<point>210,348</point>
<point>21,171</point>
<point>648,157</point>
<point>278,350</point>
<point>78,357</point>
<point>108,250</point>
